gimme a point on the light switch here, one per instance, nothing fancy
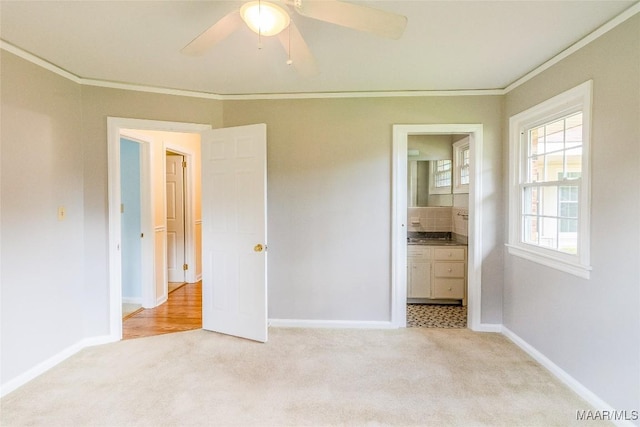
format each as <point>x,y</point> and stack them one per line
<point>62,213</point>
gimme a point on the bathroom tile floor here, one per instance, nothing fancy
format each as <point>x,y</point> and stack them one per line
<point>436,316</point>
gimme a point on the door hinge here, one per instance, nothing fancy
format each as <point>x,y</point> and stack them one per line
<point>185,267</point>
<point>184,164</point>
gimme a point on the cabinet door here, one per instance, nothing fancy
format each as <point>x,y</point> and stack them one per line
<point>449,254</point>
<point>449,269</point>
<point>419,279</point>
<point>448,288</point>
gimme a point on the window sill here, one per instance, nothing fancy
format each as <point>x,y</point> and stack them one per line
<point>558,264</point>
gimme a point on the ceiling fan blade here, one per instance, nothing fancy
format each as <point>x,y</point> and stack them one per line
<point>298,51</point>
<point>214,34</point>
<point>362,18</point>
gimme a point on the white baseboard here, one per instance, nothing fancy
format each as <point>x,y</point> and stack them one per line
<point>489,327</point>
<point>93,341</point>
<point>132,300</point>
<point>562,375</point>
<point>44,366</point>
<point>339,324</point>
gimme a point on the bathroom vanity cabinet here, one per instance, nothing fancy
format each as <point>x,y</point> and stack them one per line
<point>437,272</point>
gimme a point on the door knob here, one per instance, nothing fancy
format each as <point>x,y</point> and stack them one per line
<point>258,248</point>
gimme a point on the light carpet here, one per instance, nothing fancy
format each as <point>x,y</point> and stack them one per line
<point>301,377</point>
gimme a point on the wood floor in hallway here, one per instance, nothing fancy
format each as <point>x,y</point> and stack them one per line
<point>181,312</point>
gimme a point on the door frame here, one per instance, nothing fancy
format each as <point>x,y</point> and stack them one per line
<point>399,218</point>
<point>115,126</point>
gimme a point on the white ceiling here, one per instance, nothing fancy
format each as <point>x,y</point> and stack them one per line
<point>448,45</point>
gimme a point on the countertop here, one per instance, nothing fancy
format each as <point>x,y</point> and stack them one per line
<point>433,242</point>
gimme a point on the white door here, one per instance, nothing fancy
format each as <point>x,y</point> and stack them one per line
<point>234,231</point>
<point>175,217</point>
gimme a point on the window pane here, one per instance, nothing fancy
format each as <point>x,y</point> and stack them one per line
<point>530,232</point>
<point>554,163</point>
<point>464,175</point>
<point>574,163</point>
<point>568,239</point>
<point>536,169</point>
<point>536,141</point>
<point>549,233</point>
<point>531,200</point>
<point>574,131</point>
<point>548,201</point>
<point>554,136</point>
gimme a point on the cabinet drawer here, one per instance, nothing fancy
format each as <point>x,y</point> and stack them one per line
<point>449,254</point>
<point>419,252</point>
<point>448,288</point>
<point>449,269</point>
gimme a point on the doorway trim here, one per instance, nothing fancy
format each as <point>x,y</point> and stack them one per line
<point>115,125</point>
<point>401,135</point>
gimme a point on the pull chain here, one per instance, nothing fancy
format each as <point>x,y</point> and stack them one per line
<point>289,61</point>
<point>259,24</point>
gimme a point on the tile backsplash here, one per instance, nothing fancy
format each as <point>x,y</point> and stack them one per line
<point>441,219</point>
<point>429,219</point>
<point>460,223</point>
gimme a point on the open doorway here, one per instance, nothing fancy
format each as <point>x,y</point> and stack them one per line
<point>401,221</point>
<point>154,139</point>
<point>235,238</point>
<point>437,230</point>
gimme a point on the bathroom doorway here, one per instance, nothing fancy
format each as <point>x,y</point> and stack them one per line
<point>401,217</point>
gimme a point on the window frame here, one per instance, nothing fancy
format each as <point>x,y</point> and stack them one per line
<point>459,149</point>
<point>577,99</point>
<point>433,173</point>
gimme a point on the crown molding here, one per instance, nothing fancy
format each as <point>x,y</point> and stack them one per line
<point>39,61</point>
<point>633,10</point>
<point>605,28</point>
<point>372,94</point>
<point>150,89</point>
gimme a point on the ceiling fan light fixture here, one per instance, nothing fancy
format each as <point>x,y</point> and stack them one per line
<point>264,18</point>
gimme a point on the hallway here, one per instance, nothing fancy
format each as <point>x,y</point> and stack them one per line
<point>181,312</point>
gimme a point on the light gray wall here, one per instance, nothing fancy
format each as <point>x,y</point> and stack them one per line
<point>42,272</point>
<point>591,328</point>
<point>329,184</point>
<point>54,153</point>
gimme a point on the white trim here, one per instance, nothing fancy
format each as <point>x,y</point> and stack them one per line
<point>561,374</point>
<point>39,62</point>
<point>321,95</point>
<point>576,99</point>
<point>368,94</point>
<point>114,127</point>
<point>489,327</point>
<point>599,32</point>
<point>132,300</point>
<point>335,324</point>
<point>399,218</point>
<point>550,261</point>
<point>150,89</point>
<point>51,362</point>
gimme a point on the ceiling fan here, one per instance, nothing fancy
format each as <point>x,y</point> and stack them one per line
<point>271,18</point>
